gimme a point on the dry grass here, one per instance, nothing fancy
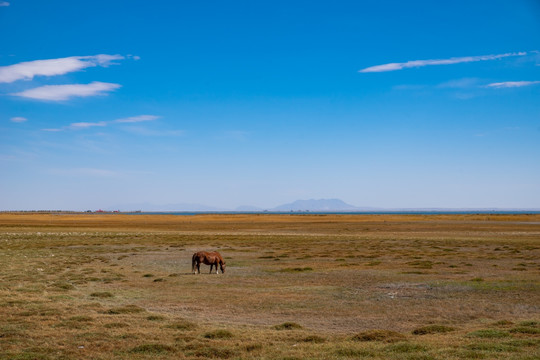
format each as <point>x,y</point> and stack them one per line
<point>119,286</point>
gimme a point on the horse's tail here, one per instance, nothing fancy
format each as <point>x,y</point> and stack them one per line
<point>193,262</point>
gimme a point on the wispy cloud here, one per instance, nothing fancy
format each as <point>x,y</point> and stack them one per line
<point>51,67</point>
<point>4,3</point>
<point>64,92</point>
<point>421,63</point>
<point>511,84</point>
<point>136,119</point>
<point>18,119</point>
<point>86,125</point>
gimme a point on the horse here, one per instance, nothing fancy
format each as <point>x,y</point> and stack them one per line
<point>212,258</point>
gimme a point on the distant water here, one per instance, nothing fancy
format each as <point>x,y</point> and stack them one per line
<point>411,212</point>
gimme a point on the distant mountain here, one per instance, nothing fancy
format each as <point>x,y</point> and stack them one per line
<point>319,205</point>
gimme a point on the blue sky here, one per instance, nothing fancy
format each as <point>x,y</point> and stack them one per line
<point>379,103</point>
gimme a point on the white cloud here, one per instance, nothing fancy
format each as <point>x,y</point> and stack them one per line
<point>135,119</point>
<point>85,125</point>
<point>51,67</point>
<point>18,119</point>
<point>64,92</point>
<point>4,3</point>
<point>511,84</point>
<point>420,63</point>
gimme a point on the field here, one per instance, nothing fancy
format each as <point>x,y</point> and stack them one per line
<point>114,286</point>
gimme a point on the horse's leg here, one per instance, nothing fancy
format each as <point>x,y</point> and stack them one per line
<point>198,267</point>
<point>211,268</point>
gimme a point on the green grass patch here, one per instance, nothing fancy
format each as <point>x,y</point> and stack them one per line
<point>522,342</point>
<point>218,334</point>
<point>491,347</point>
<point>432,329</point>
<point>379,335</point>
<point>488,334</point>
<point>182,325</point>
<point>525,330</point>
<point>530,323</point>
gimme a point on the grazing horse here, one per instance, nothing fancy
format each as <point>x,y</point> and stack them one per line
<point>212,258</point>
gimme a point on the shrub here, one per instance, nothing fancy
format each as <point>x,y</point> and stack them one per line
<point>128,309</point>
<point>102,294</point>
<point>218,334</point>
<point>115,325</point>
<point>63,285</point>
<point>288,326</point>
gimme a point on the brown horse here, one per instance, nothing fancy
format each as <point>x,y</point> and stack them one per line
<point>212,258</point>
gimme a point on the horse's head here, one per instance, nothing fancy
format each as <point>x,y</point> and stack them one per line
<point>222,265</point>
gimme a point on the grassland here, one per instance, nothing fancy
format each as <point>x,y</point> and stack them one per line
<point>296,287</point>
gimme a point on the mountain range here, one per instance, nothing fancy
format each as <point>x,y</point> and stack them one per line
<point>298,205</point>
<point>312,205</point>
